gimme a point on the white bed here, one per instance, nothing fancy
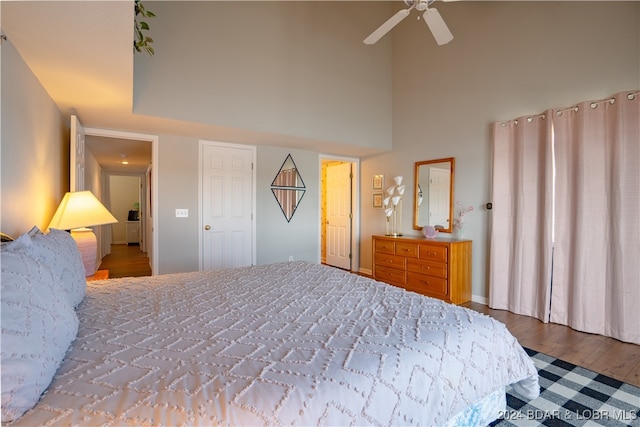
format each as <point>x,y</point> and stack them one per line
<point>294,343</point>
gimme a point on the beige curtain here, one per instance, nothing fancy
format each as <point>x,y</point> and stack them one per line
<point>520,264</point>
<point>596,270</point>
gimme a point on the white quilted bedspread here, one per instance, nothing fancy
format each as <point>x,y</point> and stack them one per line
<point>284,344</point>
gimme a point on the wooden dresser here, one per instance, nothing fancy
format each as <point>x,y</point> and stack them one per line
<point>434,267</point>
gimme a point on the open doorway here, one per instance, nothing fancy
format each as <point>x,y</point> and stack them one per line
<point>127,255</point>
<point>124,200</point>
<point>108,150</point>
<point>339,216</point>
<point>123,157</point>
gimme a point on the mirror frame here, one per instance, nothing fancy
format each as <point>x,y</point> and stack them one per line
<point>287,193</point>
<point>416,187</point>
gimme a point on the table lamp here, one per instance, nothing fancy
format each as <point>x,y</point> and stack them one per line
<point>78,211</point>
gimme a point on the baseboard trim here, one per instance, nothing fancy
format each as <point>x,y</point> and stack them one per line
<point>479,299</point>
<point>366,272</point>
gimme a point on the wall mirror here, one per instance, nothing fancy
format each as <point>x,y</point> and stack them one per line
<point>288,187</point>
<point>433,203</point>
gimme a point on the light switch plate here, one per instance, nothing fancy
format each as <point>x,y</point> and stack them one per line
<point>182,213</point>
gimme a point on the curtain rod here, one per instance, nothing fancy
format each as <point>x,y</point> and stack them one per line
<point>594,104</point>
<point>529,119</point>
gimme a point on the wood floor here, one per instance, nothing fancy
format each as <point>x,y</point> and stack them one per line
<point>607,356</point>
<point>126,261</point>
<point>604,355</point>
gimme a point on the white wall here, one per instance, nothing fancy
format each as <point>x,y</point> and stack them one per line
<point>295,68</point>
<point>34,148</point>
<point>276,239</point>
<point>507,59</point>
<point>124,192</point>
<point>177,189</point>
<point>501,64</point>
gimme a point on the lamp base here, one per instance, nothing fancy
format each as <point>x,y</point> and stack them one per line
<point>88,247</point>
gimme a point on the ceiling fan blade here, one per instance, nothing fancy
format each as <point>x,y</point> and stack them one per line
<point>387,26</point>
<point>437,26</point>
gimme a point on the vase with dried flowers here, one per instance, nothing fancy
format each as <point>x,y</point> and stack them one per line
<point>461,218</point>
<point>393,207</point>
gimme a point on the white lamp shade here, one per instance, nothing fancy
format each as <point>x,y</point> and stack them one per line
<point>80,209</point>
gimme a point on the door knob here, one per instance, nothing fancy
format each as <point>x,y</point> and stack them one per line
<point>207,227</point>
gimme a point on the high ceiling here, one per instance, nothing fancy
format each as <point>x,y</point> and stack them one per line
<point>85,73</point>
<point>81,52</point>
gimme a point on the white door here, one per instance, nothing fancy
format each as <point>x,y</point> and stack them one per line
<point>439,203</point>
<point>338,250</point>
<point>227,206</point>
<point>76,155</point>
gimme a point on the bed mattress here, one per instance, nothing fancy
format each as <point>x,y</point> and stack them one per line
<point>283,344</point>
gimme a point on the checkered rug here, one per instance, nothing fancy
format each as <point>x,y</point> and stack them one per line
<point>572,396</point>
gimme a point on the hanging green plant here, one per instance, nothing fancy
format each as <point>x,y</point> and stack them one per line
<point>142,41</point>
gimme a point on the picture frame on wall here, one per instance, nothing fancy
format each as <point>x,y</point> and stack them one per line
<point>378,182</point>
<point>377,200</point>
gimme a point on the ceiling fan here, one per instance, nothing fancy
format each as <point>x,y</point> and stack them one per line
<point>431,17</point>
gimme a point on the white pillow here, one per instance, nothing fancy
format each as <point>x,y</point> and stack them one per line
<point>38,326</point>
<point>60,253</point>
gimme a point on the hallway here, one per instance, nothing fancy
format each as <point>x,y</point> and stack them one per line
<point>126,261</point>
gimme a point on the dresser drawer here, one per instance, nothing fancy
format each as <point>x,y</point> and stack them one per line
<point>435,269</point>
<point>433,253</point>
<point>385,246</point>
<point>407,249</point>
<point>438,268</point>
<point>391,275</point>
<point>427,284</point>
<point>393,261</point>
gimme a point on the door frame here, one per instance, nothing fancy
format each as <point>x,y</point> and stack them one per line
<point>355,206</point>
<point>201,144</point>
<point>153,220</point>
<point>142,196</point>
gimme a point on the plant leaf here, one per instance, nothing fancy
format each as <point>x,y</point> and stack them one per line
<point>142,42</point>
